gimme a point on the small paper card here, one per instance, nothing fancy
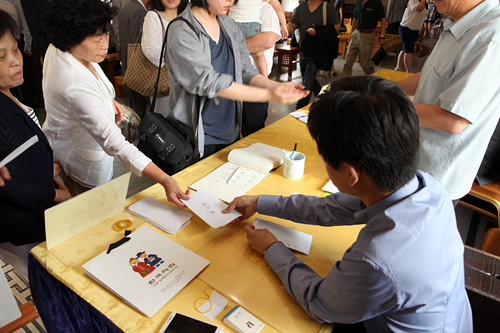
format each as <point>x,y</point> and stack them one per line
<point>209,209</point>
<point>329,187</point>
<point>293,239</point>
<point>213,306</point>
<point>300,115</point>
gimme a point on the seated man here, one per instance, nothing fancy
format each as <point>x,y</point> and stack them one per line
<point>405,272</point>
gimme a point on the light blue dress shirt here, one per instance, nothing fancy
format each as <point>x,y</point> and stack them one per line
<point>461,75</point>
<point>404,273</point>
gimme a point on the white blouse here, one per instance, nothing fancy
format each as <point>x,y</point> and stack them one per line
<point>80,124</point>
<point>152,36</point>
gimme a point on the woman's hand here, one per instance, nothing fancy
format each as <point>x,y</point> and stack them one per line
<point>245,205</point>
<point>62,194</point>
<point>284,31</point>
<point>4,175</point>
<point>118,112</point>
<point>174,192</point>
<point>287,93</point>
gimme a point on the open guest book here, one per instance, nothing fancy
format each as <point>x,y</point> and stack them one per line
<point>245,168</point>
<point>146,270</point>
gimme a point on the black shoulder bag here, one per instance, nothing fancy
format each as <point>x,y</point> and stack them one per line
<point>168,142</point>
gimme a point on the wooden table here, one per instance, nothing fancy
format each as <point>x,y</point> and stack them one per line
<point>287,56</point>
<point>235,271</point>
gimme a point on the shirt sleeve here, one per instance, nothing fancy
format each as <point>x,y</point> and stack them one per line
<point>335,209</point>
<point>354,290</point>
<point>197,77</point>
<point>464,96</point>
<point>88,108</point>
<point>152,37</point>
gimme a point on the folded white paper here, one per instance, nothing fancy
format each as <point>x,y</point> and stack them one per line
<point>293,239</point>
<point>209,209</point>
<point>329,187</point>
<point>300,115</point>
<point>161,215</point>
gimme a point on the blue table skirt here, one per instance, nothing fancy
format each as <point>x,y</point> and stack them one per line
<point>60,308</point>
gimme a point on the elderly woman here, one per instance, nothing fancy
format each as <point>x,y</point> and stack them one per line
<point>79,99</point>
<point>26,183</point>
<point>210,74</point>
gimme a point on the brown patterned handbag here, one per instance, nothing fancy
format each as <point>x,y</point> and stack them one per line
<point>140,75</point>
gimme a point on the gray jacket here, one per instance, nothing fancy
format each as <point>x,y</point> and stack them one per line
<point>191,75</point>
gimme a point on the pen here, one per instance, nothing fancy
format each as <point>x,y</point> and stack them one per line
<point>496,276</point>
<point>235,173</point>
<point>293,152</point>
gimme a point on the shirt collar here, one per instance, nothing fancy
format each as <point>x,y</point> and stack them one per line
<point>406,190</point>
<point>459,28</point>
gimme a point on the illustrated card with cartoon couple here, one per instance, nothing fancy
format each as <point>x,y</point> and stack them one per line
<point>147,270</point>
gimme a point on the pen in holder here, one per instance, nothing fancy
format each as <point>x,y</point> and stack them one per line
<point>293,167</point>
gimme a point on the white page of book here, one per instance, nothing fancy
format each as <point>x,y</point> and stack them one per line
<point>220,184</point>
<point>209,209</point>
<point>257,156</point>
<point>293,239</point>
<point>147,271</point>
<point>329,187</point>
<point>161,215</point>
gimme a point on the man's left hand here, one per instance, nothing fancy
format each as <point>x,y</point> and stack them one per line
<point>259,239</point>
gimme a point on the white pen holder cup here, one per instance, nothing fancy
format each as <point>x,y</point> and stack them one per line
<point>293,167</point>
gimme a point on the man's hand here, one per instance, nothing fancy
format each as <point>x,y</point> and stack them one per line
<point>312,31</point>
<point>118,112</point>
<point>245,205</point>
<point>259,240</point>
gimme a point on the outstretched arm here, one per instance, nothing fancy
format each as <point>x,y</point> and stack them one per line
<point>281,15</point>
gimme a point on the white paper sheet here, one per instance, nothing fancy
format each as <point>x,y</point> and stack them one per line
<point>213,306</point>
<point>293,239</point>
<point>209,209</point>
<point>161,215</point>
<point>329,187</point>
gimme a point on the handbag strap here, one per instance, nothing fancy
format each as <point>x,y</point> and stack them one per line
<point>325,20</point>
<point>162,53</point>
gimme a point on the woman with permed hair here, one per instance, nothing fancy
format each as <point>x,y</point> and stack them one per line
<point>79,99</point>
<point>160,13</point>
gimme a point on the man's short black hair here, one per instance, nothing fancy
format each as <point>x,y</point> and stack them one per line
<point>68,22</point>
<point>203,3</point>
<point>370,123</point>
<point>8,24</point>
<point>158,5</point>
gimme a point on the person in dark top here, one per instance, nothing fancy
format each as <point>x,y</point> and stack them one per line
<point>363,37</point>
